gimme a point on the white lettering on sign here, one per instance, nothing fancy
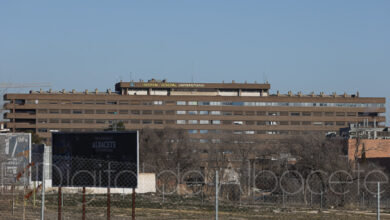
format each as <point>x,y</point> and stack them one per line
<point>104,145</point>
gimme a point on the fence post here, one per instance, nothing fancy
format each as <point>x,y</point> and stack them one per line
<point>216,194</point>
<point>163,191</point>
<point>379,202</point>
<point>59,203</point>
<point>133,205</point>
<point>43,196</point>
<point>108,203</point>
<point>13,198</point>
<point>83,217</point>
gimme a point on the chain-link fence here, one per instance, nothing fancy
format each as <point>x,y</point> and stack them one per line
<point>190,193</point>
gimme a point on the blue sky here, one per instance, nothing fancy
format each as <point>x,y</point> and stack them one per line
<point>341,46</point>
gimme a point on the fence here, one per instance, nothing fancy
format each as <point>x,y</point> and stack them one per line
<point>185,193</point>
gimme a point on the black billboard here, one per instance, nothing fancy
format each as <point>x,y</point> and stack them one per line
<point>95,159</point>
<point>37,152</point>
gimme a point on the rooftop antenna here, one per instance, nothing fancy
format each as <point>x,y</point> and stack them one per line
<point>192,70</point>
<point>265,77</point>
<point>131,76</point>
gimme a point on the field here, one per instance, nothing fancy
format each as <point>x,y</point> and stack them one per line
<point>151,206</point>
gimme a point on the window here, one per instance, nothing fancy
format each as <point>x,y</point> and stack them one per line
<point>88,121</point>
<point>295,114</point>
<point>146,122</point>
<point>227,113</point>
<point>295,123</point>
<point>169,112</point>
<point>169,122</point>
<point>203,141</point>
<point>54,111</point>
<point>42,121</point>
<point>249,132</point>
<point>317,114</point>
<point>340,113</point>
<point>192,131</point>
<point>180,112</point>
<point>112,112</point>
<point>329,123</point>
<point>147,112</point>
<point>215,103</point>
<point>99,121</point>
<point>111,102</point>
<point>215,122</point>
<point>351,113</point>
<point>192,103</point>
<point>193,122</point>
<point>100,102</point>
<point>42,111</point>
<point>135,102</point>
<point>181,122</point>
<point>77,121</point>
<point>272,123</point>
<point>306,113</point>
<point>89,102</point>
<point>261,113</point>
<point>158,122</point>
<point>272,113</point>
<point>123,103</point>
<point>283,113</point>
<point>158,112</point>
<point>192,112</point>
<point>215,141</point>
<point>203,131</point>
<point>250,122</point>
<point>42,130</point>
<point>203,122</point>
<point>135,112</point>
<point>237,132</point>
<point>147,103</point>
<point>238,113</point>
<point>169,102</point>
<point>215,112</point>
<point>306,123</point>
<point>203,112</point>
<point>123,112</point>
<point>89,111</point>
<point>226,122</point>
<point>135,121</point>
<point>329,113</point>
<point>283,122</point>
<point>250,113</point>
<point>340,123</point>
<point>260,122</point>
<point>65,111</point>
<point>318,123</point>
<point>157,102</point>
<point>100,111</point>
<point>77,111</point>
<point>181,103</point>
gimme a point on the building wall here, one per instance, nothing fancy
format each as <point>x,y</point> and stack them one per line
<point>271,116</point>
<point>373,148</point>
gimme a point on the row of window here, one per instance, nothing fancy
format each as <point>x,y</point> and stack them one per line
<point>192,122</point>
<point>195,112</point>
<point>202,103</point>
<point>247,132</point>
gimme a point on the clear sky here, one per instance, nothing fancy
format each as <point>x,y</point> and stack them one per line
<point>341,46</point>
